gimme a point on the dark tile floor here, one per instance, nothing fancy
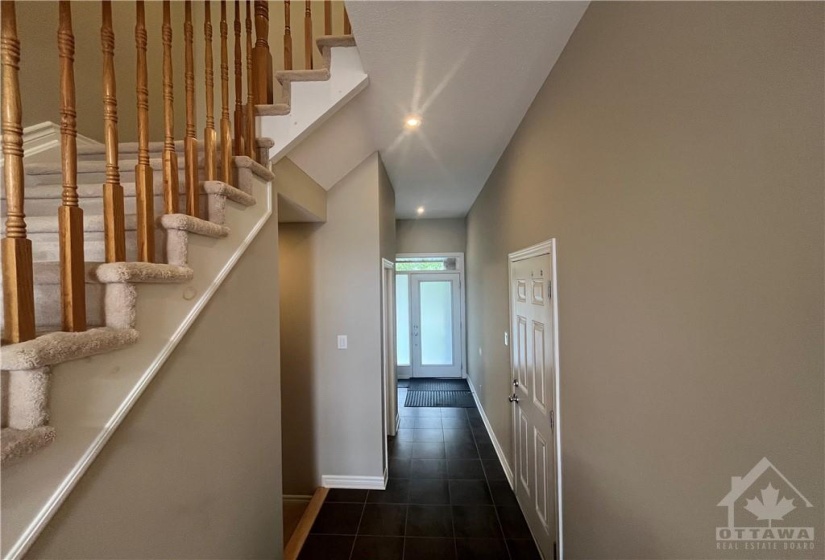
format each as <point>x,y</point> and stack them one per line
<point>447,498</point>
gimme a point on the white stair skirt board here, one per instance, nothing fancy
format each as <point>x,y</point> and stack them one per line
<point>314,102</point>
<point>356,482</point>
<point>35,487</point>
<point>502,458</point>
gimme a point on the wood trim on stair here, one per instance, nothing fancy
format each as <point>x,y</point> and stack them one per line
<point>299,537</point>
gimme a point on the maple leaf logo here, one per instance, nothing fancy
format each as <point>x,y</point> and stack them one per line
<point>770,507</point>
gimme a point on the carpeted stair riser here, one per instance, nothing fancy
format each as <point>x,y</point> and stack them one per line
<point>47,308</point>
<point>91,200</point>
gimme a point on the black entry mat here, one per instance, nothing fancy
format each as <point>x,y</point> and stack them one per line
<point>430,384</point>
<point>455,399</point>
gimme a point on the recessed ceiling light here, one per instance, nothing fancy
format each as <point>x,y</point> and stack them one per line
<point>412,122</point>
<point>420,210</point>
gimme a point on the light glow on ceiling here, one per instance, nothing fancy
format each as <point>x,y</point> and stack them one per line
<point>412,122</point>
<point>420,210</point>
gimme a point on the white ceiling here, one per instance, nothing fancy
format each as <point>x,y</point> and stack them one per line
<point>471,70</point>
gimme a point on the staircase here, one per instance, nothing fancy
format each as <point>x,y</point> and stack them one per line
<point>68,385</point>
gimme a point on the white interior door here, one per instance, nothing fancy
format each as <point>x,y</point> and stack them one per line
<point>435,325</point>
<point>534,361</point>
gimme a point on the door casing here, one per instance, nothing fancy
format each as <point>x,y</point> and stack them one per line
<point>405,372</point>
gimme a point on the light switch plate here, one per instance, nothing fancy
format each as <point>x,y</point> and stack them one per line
<point>342,342</point>
<point>506,339</point>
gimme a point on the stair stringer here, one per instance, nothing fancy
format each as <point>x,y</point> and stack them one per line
<point>91,396</point>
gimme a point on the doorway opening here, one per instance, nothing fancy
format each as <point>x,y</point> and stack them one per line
<point>429,329</point>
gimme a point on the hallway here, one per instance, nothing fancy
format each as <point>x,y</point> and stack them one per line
<point>447,498</point>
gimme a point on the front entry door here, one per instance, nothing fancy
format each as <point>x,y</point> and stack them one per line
<point>532,316</point>
<point>435,325</point>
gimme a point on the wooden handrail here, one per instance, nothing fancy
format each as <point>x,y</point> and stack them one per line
<point>250,98</point>
<point>327,17</point>
<point>287,37</point>
<point>144,191</point>
<point>70,215</point>
<point>308,35</point>
<point>190,143</point>
<point>171,187</point>
<point>18,275</point>
<point>113,218</point>
<point>239,114</point>
<point>210,136</point>
<point>347,24</point>
<point>262,59</point>
<point>226,127</point>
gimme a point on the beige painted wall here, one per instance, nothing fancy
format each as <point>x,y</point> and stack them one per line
<point>331,277</point>
<point>432,236</point>
<point>676,154</point>
<point>39,66</point>
<point>194,471</point>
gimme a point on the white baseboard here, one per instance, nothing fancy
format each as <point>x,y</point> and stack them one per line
<point>357,482</point>
<point>502,458</point>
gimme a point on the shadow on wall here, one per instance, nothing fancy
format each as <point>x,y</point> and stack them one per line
<point>300,458</point>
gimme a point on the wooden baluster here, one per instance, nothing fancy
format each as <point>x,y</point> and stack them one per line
<point>18,275</point>
<point>347,25</point>
<point>113,219</point>
<point>70,215</point>
<point>327,17</point>
<point>226,127</point>
<point>190,143</point>
<point>210,136</point>
<point>144,191</point>
<point>308,35</point>
<point>250,100</point>
<point>262,59</point>
<point>171,187</point>
<point>239,115</point>
<point>287,37</point>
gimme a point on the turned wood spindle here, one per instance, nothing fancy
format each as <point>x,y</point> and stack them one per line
<point>347,25</point>
<point>171,186</point>
<point>70,215</point>
<point>262,58</point>
<point>308,35</point>
<point>18,274</point>
<point>210,136</point>
<point>113,212</point>
<point>144,191</point>
<point>327,17</point>
<point>226,126</point>
<point>190,145</point>
<point>250,101</point>
<point>239,115</point>
<point>287,37</point>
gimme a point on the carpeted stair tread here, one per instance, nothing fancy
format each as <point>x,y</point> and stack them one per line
<point>246,162</point>
<point>184,222</point>
<point>58,347</point>
<point>140,272</point>
<point>455,399</point>
<point>224,189</point>
<point>15,443</point>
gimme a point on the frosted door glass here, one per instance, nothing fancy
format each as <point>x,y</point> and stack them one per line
<point>402,314</point>
<point>436,302</point>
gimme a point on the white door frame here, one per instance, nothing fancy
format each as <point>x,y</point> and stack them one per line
<point>391,417</point>
<point>543,248</point>
<point>459,257</point>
